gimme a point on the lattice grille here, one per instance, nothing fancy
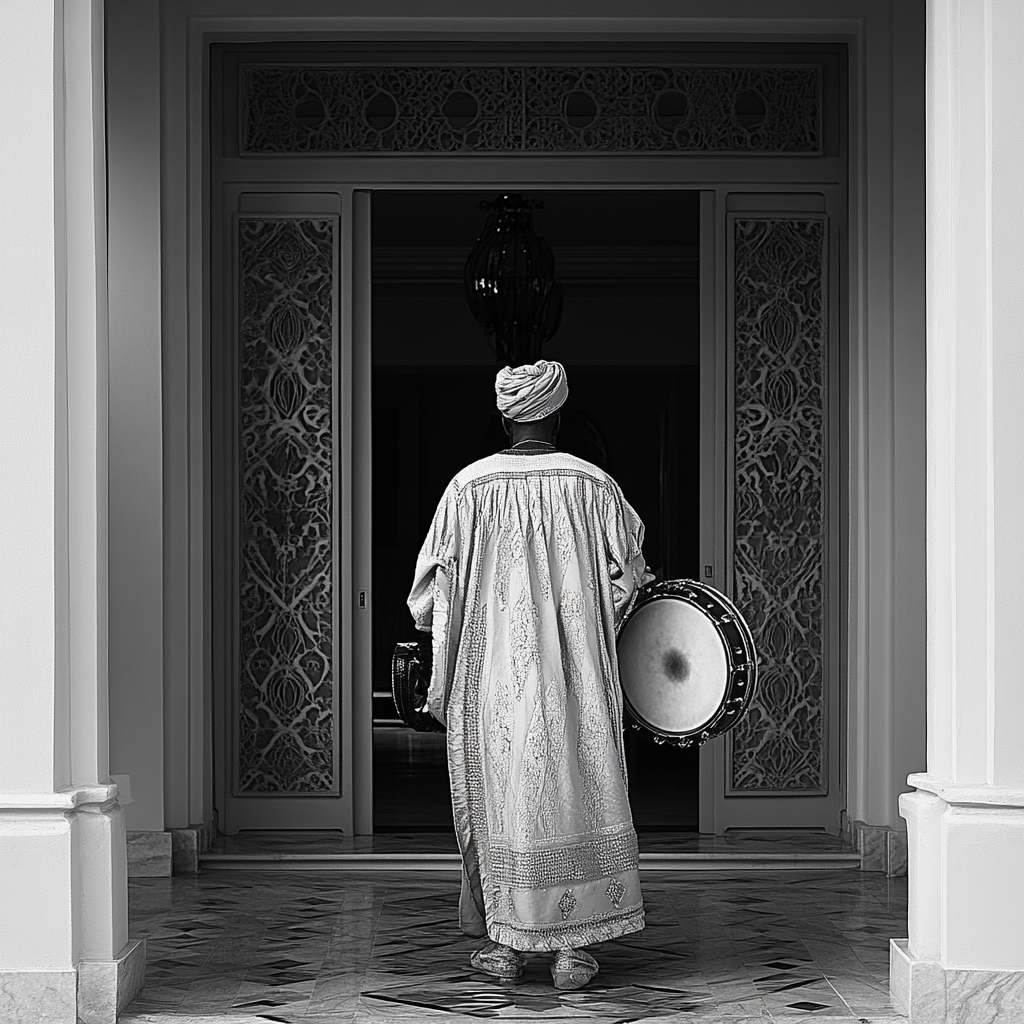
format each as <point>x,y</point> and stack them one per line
<point>545,109</point>
<point>285,707</point>
<point>781,336</point>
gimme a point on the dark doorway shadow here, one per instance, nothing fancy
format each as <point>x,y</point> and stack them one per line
<point>630,343</point>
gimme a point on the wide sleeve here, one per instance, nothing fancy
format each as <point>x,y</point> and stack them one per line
<point>437,553</point>
<point>624,542</point>
<point>430,597</point>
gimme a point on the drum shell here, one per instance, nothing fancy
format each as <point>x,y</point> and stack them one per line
<point>410,679</point>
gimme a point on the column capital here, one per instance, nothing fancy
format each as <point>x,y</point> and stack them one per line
<point>69,799</point>
<point>967,796</point>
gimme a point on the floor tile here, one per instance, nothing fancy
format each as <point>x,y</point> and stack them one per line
<point>313,948</point>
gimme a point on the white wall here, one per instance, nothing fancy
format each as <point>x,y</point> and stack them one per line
<point>910,416</point>
<point>136,435</point>
<point>885,664</point>
<point>887,410</point>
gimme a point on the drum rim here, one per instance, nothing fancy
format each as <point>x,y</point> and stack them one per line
<point>731,708</point>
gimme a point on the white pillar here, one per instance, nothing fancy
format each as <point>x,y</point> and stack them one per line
<point>964,959</point>
<point>64,949</point>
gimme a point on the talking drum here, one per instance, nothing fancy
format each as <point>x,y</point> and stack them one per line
<point>687,663</point>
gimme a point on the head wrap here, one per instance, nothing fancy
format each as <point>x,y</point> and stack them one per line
<point>531,392</point>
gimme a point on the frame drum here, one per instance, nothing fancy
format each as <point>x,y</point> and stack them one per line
<point>687,663</point>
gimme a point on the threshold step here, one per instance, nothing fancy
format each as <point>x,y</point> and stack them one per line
<point>717,861</point>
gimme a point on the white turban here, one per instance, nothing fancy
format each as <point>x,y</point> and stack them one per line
<point>531,392</point>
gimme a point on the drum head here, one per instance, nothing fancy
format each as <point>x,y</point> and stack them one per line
<point>672,665</point>
<point>687,663</point>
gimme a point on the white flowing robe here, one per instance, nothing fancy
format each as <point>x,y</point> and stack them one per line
<point>530,565</point>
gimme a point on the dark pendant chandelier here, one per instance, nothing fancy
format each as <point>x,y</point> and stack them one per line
<point>510,282</point>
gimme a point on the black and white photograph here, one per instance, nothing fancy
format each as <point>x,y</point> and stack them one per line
<point>511,510</point>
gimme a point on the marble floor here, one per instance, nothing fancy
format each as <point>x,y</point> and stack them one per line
<point>719,948</point>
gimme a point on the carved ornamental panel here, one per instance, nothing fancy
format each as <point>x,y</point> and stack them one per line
<point>781,343</point>
<point>522,109</point>
<point>286,698</point>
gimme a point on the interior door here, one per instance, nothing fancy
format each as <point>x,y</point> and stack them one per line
<point>282,425</point>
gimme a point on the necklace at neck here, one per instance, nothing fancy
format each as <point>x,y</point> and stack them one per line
<point>534,440</point>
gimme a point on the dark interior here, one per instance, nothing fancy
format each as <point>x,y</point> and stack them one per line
<point>629,339</point>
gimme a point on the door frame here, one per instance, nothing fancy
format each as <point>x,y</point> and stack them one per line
<point>714,177</point>
<point>884,590</point>
<point>714,466</point>
<point>355,607</point>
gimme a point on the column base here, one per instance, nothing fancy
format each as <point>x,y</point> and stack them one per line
<point>149,854</point>
<point>186,846</point>
<point>881,848</point>
<point>930,994</point>
<point>176,851</point>
<point>106,987</point>
<point>38,997</point>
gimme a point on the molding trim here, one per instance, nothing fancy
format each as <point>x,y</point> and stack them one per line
<point>570,28</point>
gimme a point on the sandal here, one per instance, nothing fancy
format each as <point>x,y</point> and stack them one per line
<point>572,969</point>
<point>502,962</point>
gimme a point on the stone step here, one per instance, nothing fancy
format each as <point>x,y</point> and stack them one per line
<point>663,861</point>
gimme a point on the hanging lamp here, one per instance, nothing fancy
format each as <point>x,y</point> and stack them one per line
<point>510,282</point>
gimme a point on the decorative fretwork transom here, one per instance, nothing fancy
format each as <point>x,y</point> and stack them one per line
<point>743,109</point>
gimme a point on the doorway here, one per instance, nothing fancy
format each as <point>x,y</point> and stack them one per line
<point>773,204</point>
<point>628,262</point>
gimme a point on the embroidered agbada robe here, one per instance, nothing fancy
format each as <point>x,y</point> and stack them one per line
<point>530,565</point>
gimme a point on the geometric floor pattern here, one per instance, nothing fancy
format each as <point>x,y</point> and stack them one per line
<point>313,948</point>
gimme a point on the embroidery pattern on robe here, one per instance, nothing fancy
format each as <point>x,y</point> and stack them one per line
<point>540,559</point>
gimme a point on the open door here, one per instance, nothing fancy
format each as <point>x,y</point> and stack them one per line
<point>773,294</point>
<point>282,436</point>
<point>360,731</point>
<point>293,381</point>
